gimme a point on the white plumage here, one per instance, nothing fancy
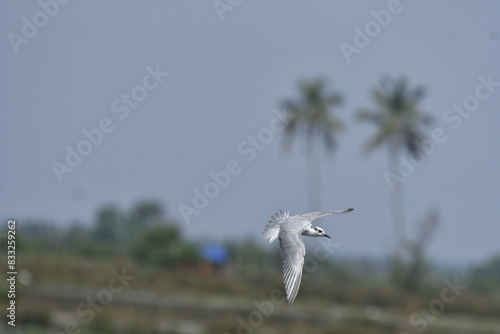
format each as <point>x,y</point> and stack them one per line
<point>288,230</point>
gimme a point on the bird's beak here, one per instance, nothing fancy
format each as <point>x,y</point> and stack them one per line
<point>326,235</point>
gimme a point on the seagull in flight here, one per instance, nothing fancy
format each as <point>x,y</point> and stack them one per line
<point>288,230</point>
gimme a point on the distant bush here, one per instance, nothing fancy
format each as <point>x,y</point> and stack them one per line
<point>486,277</point>
<point>163,246</point>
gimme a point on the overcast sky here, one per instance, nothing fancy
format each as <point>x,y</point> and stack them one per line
<point>176,89</point>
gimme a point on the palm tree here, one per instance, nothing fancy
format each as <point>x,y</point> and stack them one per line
<point>399,119</point>
<point>310,116</point>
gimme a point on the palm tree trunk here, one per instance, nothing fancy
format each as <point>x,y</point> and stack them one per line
<point>398,221</point>
<point>397,203</point>
<point>400,214</point>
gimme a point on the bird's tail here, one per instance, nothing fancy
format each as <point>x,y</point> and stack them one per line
<point>272,229</point>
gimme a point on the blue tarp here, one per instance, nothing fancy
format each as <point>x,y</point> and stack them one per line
<point>215,254</point>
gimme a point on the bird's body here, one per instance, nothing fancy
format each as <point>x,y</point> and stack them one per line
<point>289,230</point>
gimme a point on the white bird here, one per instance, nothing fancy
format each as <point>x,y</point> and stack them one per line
<point>288,230</point>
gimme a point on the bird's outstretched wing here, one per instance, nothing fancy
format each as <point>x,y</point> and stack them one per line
<point>340,211</point>
<point>272,228</point>
<point>314,215</point>
<point>292,252</point>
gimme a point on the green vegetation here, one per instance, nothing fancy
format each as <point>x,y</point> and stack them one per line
<point>162,246</point>
<point>486,277</point>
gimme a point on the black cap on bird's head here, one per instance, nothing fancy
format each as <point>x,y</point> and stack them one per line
<point>321,232</point>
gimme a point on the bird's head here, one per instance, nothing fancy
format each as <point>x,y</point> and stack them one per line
<point>317,231</point>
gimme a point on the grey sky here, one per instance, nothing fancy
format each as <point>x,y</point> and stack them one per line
<point>225,79</point>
